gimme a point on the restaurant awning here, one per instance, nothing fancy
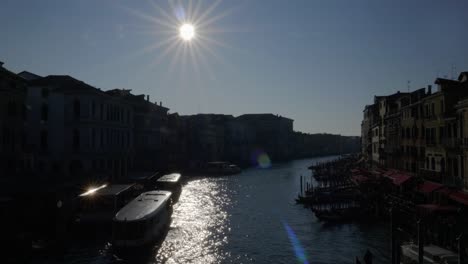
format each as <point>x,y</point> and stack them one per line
<point>429,187</point>
<point>358,179</point>
<point>460,197</point>
<point>398,178</point>
<point>431,208</point>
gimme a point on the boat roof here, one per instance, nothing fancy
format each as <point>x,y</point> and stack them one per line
<point>217,162</point>
<point>173,177</point>
<point>109,190</point>
<point>144,206</point>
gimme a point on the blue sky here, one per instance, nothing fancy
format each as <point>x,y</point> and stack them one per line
<point>317,62</point>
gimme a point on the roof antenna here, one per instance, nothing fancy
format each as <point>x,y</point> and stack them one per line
<point>408,85</point>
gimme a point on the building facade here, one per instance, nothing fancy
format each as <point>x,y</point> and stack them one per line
<point>77,131</point>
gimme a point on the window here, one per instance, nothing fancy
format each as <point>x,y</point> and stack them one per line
<point>76,109</point>
<point>11,109</point>
<point>432,163</point>
<point>44,112</point>
<point>44,140</point>
<point>93,109</point>
<point>432,110</point>
<point>93,138</point>
<point>76,139</point>
<point>45,92</point>
<point>442,106</point>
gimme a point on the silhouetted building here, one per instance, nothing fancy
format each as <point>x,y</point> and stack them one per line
<point>12,119</point>
<point>150,128</point>
<point>273,134</point>
<point>78,132</point>
<point>206,137</point>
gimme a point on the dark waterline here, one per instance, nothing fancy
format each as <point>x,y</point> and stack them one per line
<point>246,218</point>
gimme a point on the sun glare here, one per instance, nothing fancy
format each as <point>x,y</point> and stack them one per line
<point>187,32</point>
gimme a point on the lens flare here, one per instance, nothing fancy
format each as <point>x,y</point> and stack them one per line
<point>260,159</point>
<point>296,244</point>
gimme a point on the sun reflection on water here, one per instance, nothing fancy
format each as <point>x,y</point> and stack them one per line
<point>199,225</point>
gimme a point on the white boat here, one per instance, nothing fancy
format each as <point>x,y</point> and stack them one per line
<point>143,220</point>
<point>432,254</point>
<point>221,168</point>
<point>170,182</point>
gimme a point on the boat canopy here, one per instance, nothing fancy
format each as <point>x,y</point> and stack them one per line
<point>144,206</point>
<point>108,190</point>
<point>173,177</point>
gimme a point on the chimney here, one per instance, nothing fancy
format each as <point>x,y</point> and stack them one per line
<point>429,89</point>
<point>1,63</point>
<point>147,97</point>
<point>160,103</point>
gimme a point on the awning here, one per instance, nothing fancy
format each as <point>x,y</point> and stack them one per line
<point>428,187</point>
<point>398,178</point>
<point>431,208</point>
<point>460,197</point>
<point>358,179</point>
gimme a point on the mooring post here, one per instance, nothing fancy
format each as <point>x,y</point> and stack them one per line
<point>420,241</point>
<point>393,233</point>
<point>301,187</point>
<point>460,248</point>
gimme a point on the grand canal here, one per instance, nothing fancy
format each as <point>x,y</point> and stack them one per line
<point>246,218</point>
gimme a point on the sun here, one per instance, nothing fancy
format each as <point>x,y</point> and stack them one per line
<point>187,32</point>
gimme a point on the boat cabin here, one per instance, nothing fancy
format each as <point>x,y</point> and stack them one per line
<point>432,254</point>
<point>143,219</point>
<point>100,204</point>
<point>169,181</point>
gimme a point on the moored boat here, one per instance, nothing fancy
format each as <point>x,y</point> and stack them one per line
<point>100,204</point>
<point>143,220</point>
<point>170,182</point>
<point>221,168</point>
<point>432,254</point>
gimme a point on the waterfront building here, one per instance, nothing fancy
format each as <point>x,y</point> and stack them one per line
<point>370,117</point>
<point>239,142</point>
<point>77,131</point>
<point>385,130</point>
<point>206,137</point>
<point>150,130</point>
<point>442,154</point>
<point>273,134</point>
<point>12,121</point>
<point>462,141</point>
<point>412,144</point>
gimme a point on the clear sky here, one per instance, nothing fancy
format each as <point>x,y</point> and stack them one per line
<point>317,62</point>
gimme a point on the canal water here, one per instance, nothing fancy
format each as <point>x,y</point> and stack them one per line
<point>247,218</point>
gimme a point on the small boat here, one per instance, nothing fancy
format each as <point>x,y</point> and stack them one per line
<point>432,254</point>
<point>221,168</point>
<point>143,220</point>
<point>170,182</point>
